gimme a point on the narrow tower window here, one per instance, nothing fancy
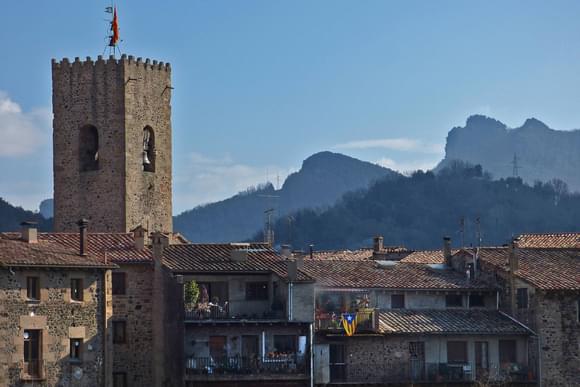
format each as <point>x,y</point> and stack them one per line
<point>88,148</point>
<point>148,150</point>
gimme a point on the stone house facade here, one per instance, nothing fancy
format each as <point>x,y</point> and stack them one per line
<point>56,306</point>
<point>539,287</point>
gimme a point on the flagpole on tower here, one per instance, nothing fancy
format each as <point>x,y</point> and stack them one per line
<point>113,32</point>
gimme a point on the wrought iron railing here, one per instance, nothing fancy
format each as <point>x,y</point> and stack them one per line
<point>421,371</point>
<point>366,321</point>
<point>242,365</point>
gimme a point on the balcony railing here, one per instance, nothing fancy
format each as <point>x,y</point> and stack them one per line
<point>420,371</point>
<point>32,370</point>
<point>211,311</point>
<point>366,321</point>
<point>242,365</point>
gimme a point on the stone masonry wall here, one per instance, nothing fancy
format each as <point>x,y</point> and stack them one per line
<point>119,98</point>
<point>559,332</point>
<point>60,319</point>
<point>135,308</point>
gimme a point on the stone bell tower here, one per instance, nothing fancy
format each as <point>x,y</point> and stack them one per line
<point>112,144</point>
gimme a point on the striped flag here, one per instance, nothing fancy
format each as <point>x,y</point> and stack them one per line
<point>349,323</point>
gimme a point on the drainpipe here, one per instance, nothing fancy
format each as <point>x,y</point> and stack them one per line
<point>290,296</point>
<point>311,334</point>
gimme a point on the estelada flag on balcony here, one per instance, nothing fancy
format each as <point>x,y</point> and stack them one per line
<point>349,323</point>
<point>114,30</point>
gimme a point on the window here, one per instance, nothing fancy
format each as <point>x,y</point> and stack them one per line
<point>522,298</point>
<point>476,301</point>
<point>454,300</point>
<point>481,354</point>
<point>457,352</point>
<point>119,379</point>
<point>285,343</point>
<point>119,333</point>
<point>397,301</point>
<point>76,346</point>
<point>88,148</point>
<point>256,290</point>
<point>507,352</point>
<point>119,283</point>
<point>76,289</point>
<point>578,310</point>
<point>32,353</point>
<point>32,288</point>
<point>148,149</point>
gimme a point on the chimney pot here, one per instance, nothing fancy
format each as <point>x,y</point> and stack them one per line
<point>29,232</point>
<point>83,246</point>
<point>140,236</point>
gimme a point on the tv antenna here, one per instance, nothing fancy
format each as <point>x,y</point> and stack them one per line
<point>268,232</point>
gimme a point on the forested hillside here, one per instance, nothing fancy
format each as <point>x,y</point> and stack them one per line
<point>11,217</point>
<point>417,211</point>
<point>322,180</point>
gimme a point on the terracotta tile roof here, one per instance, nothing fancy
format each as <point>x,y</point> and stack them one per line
<point>426,256</point>
<point>215,258</point>
<point>118,247</point>
<point>547,269</point>
<point>373,274</point>
<point>565,240</point>
<point>447,321</point>
<point>45,253</point>
<point>341,255</point>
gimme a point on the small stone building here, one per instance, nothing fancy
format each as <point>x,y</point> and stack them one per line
<point>56,308</point>
<point>539,287</point>
<point>416,323</point>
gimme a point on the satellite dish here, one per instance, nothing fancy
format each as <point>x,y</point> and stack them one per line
<point>78,373</point>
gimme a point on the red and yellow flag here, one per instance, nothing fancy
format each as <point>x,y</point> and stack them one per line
<point>114,29</point>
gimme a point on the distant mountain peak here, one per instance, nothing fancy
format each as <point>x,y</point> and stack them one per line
<point>534,124</point>
<point>479,121</point>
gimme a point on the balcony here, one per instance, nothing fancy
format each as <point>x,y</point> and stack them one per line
<point>241,367</point>
<point>419,371</point>
<point>367,321</point>
<point>216,311</point>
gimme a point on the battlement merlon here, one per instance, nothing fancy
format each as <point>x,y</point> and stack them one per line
<point>125,59</point>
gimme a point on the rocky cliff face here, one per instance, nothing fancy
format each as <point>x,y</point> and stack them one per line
<point>542,153</point>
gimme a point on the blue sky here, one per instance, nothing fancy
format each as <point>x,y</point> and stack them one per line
<point>260,85</point>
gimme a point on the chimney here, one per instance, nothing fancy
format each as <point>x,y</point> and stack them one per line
<point>159,242</point>
<point>292,269</point>
<point>239,252</point>
<point>311,251</point>
<point>299,259</point>
<point>84,244</point>
<point>447,251</point>
<point>378,245</point>
<point>29,232</point>
<point>140,236</point>
<point>513,265</point>
<point>285,251</point>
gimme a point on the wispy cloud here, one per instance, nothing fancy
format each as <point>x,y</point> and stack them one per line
<point>397,144</point>
<point>406,167</point>
<point>203,179</point>
<point>22,133</point>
